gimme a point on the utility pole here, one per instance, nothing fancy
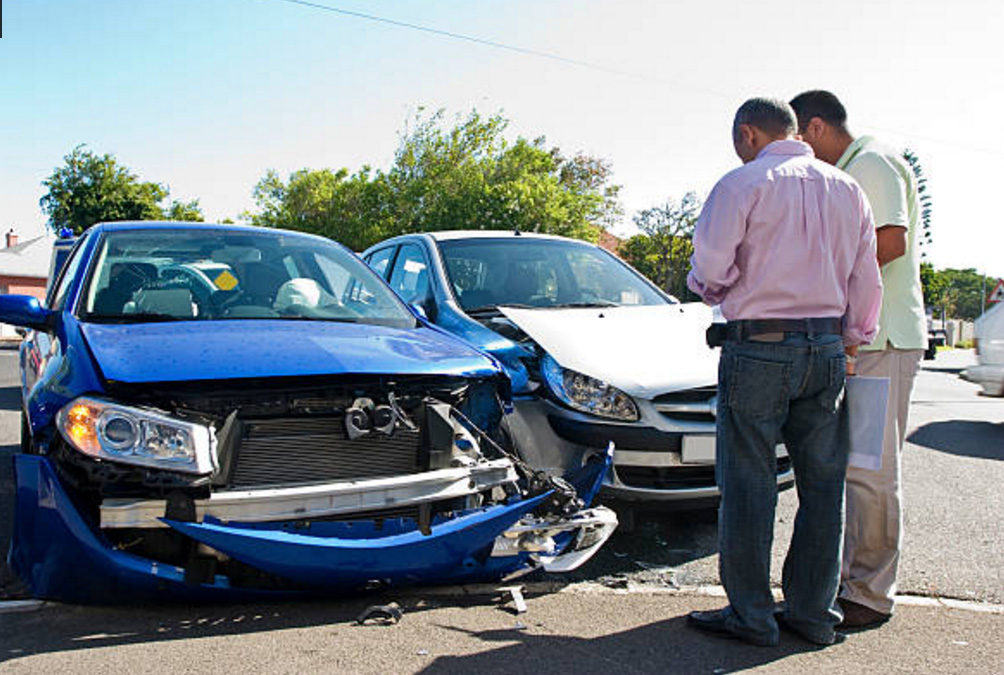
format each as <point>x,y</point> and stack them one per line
<point>983,309</point>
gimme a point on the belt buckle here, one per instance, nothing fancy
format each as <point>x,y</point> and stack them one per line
<point>767,337</point>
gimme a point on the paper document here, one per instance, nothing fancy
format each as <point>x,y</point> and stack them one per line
<point>866,399</point>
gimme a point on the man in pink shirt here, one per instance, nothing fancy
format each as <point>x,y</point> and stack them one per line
<point>786,245</point>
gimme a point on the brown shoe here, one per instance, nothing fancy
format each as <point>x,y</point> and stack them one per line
<point>857,615</point>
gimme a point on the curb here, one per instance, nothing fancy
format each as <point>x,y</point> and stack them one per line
<point>595,588</point>
<point>587,588</point>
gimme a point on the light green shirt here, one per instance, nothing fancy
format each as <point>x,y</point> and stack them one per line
<point>891,188</point>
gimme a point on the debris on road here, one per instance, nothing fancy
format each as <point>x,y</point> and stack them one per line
<point>515,595</point>
<point>380,615</point>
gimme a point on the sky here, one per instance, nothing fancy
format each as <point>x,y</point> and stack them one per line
<point>205,96</point>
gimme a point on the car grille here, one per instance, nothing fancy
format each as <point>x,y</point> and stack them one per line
<point>314,449</point>
<point>677,477</point>
<point>690,405</point>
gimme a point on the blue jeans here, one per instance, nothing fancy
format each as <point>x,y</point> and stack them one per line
<point>768,392</point>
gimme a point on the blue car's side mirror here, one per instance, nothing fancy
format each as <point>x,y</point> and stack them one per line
<point>24,310</point>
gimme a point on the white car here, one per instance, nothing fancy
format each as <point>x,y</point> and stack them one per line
<point>596,353</point>
<point>989,332</point>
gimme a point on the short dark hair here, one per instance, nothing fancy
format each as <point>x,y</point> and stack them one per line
<point>771,115</point>
<point>821,104</point>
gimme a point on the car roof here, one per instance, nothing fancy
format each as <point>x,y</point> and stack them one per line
<point>134,225</point>
<point>447,235</point>
<point>462,235</point>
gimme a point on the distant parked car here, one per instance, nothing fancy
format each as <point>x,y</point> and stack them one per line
<point>214,411</point>
<point>596,353</point>
<point>989,339</point>
<point>936,336</point>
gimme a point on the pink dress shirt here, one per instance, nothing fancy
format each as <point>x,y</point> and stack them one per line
<point>787,236</point>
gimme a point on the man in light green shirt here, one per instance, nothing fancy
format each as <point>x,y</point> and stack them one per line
<point>874,518</point>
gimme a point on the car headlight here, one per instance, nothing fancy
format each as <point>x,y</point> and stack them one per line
<point>119,433</point>
<point>587,394</point>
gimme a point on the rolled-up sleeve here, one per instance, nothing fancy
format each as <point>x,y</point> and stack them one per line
<point>864,286</point>
<point>719,232</point>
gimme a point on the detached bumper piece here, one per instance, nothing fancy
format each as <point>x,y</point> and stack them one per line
<point>63,555</point>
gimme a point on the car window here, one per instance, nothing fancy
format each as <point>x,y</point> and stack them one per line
<point>206,274</point>
<point>410,277</point>
<point>379,260</point>
<point>69,273</point>
<point>541,273</point>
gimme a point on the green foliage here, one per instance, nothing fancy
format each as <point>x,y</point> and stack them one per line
<point>185,211</point>
<point>957,294</point>
<point>925,199</point>
<point>90,189</point>
<point>463,177</point>
<point>662,253</point>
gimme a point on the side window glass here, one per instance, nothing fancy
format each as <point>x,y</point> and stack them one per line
<point>58,297</point>
<point>410,278</point>
<point>379,260</point>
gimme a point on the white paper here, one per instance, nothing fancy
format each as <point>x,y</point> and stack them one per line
<point>866,399</point>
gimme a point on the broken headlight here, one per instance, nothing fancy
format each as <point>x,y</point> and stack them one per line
<point>587,394</point>
<point>119,433</point>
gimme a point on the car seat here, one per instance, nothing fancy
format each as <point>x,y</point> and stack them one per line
<point>124,279</point>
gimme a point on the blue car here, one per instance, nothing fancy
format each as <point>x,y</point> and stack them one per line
<point>223,412</point>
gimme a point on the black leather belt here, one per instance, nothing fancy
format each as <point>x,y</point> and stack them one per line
<point>746,328</point>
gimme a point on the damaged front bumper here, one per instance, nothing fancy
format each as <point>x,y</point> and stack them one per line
<point>63,554</point>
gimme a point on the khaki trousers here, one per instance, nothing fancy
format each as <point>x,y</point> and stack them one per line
<point>874,519</point>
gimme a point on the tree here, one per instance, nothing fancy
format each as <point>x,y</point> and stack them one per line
<point>90,189</point>
<point>662,252</point>
<point>467,176</point>
<point>185,211</point>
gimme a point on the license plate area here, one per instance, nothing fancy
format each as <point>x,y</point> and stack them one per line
<point>698,450</point>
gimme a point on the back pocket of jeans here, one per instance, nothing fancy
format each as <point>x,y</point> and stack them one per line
<point>759,388</point>
<point>832,396</point>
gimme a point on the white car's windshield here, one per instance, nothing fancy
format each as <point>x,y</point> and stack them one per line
<point>541,273</point>
<point>207,274</point>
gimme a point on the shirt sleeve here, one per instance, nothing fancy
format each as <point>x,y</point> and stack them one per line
<point>719,232</point>
<point>864,287</point>
<point>885,187</point>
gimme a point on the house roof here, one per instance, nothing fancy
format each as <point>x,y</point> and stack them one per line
<point>29,258</point>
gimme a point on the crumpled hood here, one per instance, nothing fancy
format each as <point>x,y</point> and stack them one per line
<point>211,350</point>
<point>644,351</point>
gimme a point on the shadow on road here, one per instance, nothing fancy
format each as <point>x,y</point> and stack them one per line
<point>58,628</point>
<point>660,646</point>
<point>659,542</point>
<point>10,398</point>
<point>966,438</point>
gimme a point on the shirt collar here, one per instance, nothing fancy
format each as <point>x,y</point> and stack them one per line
<point>788,146</point>
<point>852,151</point>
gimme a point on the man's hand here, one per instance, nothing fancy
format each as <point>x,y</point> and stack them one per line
<point>851,354</point>
<point>891,241</point>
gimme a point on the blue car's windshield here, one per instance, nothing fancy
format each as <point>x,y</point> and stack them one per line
<point>206,274</point>
<point>541,273</point>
